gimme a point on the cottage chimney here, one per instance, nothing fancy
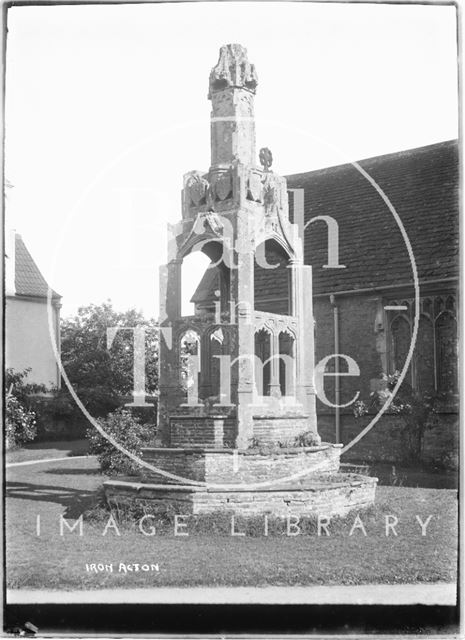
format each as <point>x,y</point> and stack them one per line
<point>232,87</point>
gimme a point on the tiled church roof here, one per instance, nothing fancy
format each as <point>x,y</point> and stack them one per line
<point>422,184</point>
<point>28,279</point>
<point>206,287</point>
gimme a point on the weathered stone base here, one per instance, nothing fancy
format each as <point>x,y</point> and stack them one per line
<point>334,495</point>
<point>268,428</point>
<point>236,466</point>
<point>210,430</point>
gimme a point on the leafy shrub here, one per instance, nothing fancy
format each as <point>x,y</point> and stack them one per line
<point>20,422</point>
<point>21,419</point>
<point>418,411</point>
<point>129,431</point>
<point>56,413</point>
<point>98,399</point>
<point>307,439</point>
<point>58,416</point>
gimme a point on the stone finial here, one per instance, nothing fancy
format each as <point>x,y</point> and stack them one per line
<point>233,70</point>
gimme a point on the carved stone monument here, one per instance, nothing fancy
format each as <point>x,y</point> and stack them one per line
<point>237,427</point>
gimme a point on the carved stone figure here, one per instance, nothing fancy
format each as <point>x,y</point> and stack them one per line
<point>222,185</point>
<point>270,195</point>
<point>197,187</point>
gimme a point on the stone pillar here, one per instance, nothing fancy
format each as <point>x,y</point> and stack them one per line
<point>242,290</point>
<point>232,127</point>
<point>297,311</point>
<point>302,308</point>
<point>170,291</point>
<point>308,348</point>
<point>232,86</point>
<point>274,386</point>
<point>170,311</point>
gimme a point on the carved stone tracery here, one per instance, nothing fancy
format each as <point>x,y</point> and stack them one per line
<point>275,323</point>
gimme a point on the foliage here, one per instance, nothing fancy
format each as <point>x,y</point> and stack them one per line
<point>189,347</point>
<point>306,439</point>
<point>417,410</point>
<point>49,405</point>
<point>15,382</point>
<point>20,422</point>
<point>128,430</point>
<point>101,375</point>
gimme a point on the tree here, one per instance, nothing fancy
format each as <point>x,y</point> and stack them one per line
<point>101,376</point>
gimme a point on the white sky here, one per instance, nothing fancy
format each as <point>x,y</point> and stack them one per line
<point>102,99</point>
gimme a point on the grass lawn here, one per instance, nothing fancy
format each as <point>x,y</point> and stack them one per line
<point>413,476</point>
<point>46,450</point>
<point>51,561</point>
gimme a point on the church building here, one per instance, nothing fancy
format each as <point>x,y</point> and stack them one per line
<point>365,308</point>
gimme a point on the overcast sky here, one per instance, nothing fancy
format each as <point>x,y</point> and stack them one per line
<point>102,100</point>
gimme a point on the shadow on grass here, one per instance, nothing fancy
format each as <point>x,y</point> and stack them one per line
<point>74,501</point>
<point>69,447</point>
<point>413,476</point>
<point>74,472</point>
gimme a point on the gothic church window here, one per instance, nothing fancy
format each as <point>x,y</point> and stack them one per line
<point>446,348</point>
<point>433,367</point>
<point>425,355</point>
<point>400,333</point>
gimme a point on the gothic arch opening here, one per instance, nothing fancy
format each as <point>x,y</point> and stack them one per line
<point>193,271</point>
<point>216,344</point>
<point>272,278</point>
<point>263,370</point>
<point>189,362</point>
<point>206,280</point>
<point>400,345</point>
<point>425,355</point>
<point>287,372</point>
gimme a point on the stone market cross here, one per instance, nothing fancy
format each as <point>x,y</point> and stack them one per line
<point>237,429</point>
<point>236,213</point>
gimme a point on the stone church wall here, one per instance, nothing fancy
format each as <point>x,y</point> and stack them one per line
<point>359,339</point>
<point>386,441</point>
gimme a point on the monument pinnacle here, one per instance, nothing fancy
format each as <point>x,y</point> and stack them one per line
<point>232,86</point>
<point>233,69</point>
